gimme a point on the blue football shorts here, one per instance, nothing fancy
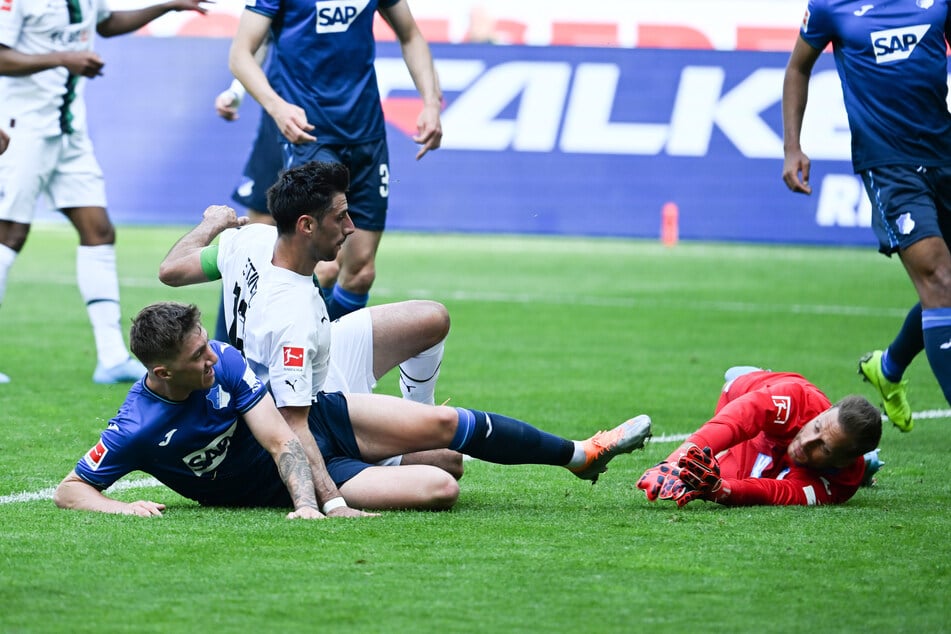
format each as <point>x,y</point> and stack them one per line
<point>329,422</point>
<point>369,176</point>
<point>908,204</point>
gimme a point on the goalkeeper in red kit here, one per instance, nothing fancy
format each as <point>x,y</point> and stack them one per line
<point>775,439</point>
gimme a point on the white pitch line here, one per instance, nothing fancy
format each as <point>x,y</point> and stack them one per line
<point>47,494</point>
<point>149,482</point>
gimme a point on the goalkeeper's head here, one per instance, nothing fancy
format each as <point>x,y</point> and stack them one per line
<point>838,436</point>
<point>862,423</point>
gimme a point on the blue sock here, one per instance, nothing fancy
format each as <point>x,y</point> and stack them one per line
<point>341,302</point>
<point>503,440</point>
<point>907,344</point>
<point>936,326</point>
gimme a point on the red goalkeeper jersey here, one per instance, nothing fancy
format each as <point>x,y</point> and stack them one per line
<point>755,420</point>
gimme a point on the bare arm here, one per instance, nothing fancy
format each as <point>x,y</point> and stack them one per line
<point>228,101</point>
<point>419,62</point>
<point>122,22</point>
<point>77,494</point>
<point>290,119</point>
<point>296,418</point>
<point>16,64</point>
<point>271,431</point>
<point>182,265</point>
<point>795,94</point>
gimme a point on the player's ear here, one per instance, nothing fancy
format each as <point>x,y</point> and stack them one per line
<point>162,372</point>
<point>305,224</point>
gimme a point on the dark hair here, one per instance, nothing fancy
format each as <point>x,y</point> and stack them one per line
<point>862,423</point>
<point>159,330</point>
<point>307,189</point>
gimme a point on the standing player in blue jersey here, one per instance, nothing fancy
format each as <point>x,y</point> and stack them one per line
<point>204,425</point>
<point>325,101</point>
<point>891,58</point>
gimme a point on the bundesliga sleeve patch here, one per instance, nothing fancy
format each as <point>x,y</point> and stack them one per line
<point>805,22</point>
<point>293,358</point>
<point>95,455</point>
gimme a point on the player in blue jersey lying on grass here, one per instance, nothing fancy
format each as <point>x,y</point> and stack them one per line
<point>204,424</point>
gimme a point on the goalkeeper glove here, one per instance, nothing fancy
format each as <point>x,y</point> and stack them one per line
<point>662,482</point>
<point>700,473</point>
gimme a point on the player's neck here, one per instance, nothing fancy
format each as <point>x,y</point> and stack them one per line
<point>293,257</point>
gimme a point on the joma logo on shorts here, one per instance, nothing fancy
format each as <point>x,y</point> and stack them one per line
<point>336,16</point>
<point>895,45</point>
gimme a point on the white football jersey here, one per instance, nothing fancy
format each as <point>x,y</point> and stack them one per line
<point>242,254</point>
<point>49,102</point>
<point>276,316</point>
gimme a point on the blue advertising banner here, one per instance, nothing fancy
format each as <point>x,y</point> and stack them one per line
<point>554,140</point>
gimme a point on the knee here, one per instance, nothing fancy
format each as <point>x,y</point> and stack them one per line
<point>96,234</point>
<point>434,320</point>
<point>935,288</point>
<point>13,235</point>
<point>442,493</point>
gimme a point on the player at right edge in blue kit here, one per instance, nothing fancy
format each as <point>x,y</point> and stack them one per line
<point>892,61</point>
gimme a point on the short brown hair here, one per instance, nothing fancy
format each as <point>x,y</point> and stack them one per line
<point>862,423</point>
<point>159,330</point>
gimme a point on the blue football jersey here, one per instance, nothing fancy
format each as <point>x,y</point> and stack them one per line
<point>891,59</point>
<point>322,60</point>
<point>201,448</point>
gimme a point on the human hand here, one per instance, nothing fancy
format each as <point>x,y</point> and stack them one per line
<point>226,105</point>
<point>292,121</point>
<point>428,130</point>
<point>796,163</point>
<point>144,508</point>
<point>4,141</point>
<point>661,482</point>
<point>700,472</point>
<point>83,63</point>
<point>190,5</point>
<point>223,216</point>
<point>306,513</point>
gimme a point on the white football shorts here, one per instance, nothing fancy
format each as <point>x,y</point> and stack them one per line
<point>351,354</point>
<point>64,168</point>
<point>351,360</point>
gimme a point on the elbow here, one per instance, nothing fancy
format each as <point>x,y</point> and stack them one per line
<point>169,276</point>
<point>61,498</point>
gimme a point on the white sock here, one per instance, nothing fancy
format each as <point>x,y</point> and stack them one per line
<point>7,256</point>
<point>99,287</point>
<point>418,375</point>
<point>580,456</point>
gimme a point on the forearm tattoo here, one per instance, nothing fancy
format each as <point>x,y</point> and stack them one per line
<point>295,472</point>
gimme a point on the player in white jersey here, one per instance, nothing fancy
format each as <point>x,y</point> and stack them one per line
<point>45,55</point>
<point>265,311</point>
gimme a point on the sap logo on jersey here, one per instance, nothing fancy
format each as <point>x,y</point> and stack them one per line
<point>208,459</point>
<point>895,45</point>
<point>336,16</point>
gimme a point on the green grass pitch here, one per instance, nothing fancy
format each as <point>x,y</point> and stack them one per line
<point>574,335</point>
